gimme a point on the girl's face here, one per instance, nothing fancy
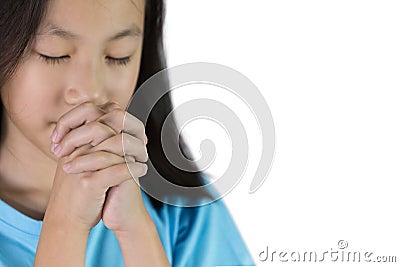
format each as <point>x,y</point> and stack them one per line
<point>86,50</point>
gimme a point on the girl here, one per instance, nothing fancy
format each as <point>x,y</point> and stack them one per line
<point>67,197</point>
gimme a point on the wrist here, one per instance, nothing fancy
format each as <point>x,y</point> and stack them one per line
<point>63,222</point>
<point>61,243</point>
<point>141,245</point>
<point>139,227</point>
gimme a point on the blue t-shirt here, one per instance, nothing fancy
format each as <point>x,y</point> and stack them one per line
<point>198,236</point>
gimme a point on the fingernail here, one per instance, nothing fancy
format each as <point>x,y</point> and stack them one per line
<point>67,167</point>
<point>146,140</point>
<point>54,136</point>
<point>57,149</point>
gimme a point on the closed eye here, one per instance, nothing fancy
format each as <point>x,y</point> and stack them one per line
<point>119,61</point>
<point>53,60</point>
<point>57,60</point>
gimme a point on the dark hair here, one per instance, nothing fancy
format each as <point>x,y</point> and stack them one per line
<point>19,21</point>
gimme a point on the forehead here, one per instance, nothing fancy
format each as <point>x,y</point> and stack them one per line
<point>94,17</point>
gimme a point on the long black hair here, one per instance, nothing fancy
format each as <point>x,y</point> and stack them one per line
<point>19,22</point>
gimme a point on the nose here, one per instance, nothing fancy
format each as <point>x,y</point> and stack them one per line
<point>86,83</point>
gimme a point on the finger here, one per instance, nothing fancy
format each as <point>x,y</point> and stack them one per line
<point>117,174</point>
<point>134,126</point>
<point>133,146</point>
<point>91,133</point>
<point>120,120</point>
<point>83,150</point>
<point>136,170</point>
<point>129,158</point>
<point>94,161</point>
<point>124,145</point>
<point>81,114</point>
<point>109,106</point>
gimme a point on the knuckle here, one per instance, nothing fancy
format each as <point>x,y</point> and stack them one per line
<point>144,168</point>
<point>124,136</point>
<point>102,157</point>
<point>139,168</point>
<point>61,124</point>
<point>121,169</point>
<point>93,126</point>
<point>142,128</point>
<point>117,116</point>
<point>85,182</point>
<point>115,169</point>
<point>118,113</point>
<point>130,158</point>
<point>65,142</point>
<point>143,156</point>
<point>88,105</point>
<point>68,144</point>
<point>81,151</point>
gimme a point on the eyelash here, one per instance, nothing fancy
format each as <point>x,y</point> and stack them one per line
<point>57,60</point>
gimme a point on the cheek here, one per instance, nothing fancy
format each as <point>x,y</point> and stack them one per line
<point>27,96</point>
<point>123,85</point>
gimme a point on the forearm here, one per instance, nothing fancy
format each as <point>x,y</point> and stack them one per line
<point>61,245</point>
<point>142,246</point>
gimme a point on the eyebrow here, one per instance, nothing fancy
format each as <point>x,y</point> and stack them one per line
<point>55,30</point>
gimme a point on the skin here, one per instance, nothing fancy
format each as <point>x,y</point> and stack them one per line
<point>62,147</point>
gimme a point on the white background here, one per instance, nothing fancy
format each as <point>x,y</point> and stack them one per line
<point>329,71</point>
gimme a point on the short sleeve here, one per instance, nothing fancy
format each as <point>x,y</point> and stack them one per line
<point>208,236</point>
